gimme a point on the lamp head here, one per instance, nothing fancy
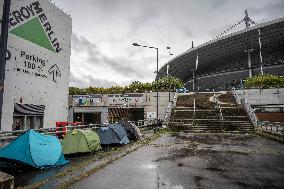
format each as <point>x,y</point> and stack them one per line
<point>136,44</point>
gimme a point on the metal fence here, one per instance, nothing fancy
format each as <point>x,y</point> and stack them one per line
<point>146,123</point>
<point>272,127</point>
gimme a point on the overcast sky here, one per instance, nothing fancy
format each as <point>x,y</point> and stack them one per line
<point>103,31</point>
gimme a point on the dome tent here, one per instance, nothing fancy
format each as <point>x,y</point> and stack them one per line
<point>34,149</point>
<point>80,141</point>
<point>133,132</point>
<point>113,134</point>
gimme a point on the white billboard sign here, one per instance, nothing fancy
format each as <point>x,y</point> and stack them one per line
<point>86,100</point>
<point>37,69</point>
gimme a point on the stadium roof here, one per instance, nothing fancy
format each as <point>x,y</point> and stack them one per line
<point>224,52</point>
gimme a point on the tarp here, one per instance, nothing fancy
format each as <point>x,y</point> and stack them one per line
<point>133,132</point>
<point>34,149</point>
<point>113,134</point>
<point>80,141</point>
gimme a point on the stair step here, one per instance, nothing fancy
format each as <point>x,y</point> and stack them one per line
<point>213,120</point>
<point>233,132</point>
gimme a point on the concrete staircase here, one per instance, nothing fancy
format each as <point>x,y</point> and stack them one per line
<point>207,117</point>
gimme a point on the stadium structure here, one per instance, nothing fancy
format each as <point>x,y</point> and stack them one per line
<point>228,59</point>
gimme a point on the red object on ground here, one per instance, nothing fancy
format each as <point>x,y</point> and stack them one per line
<point>61,129</point>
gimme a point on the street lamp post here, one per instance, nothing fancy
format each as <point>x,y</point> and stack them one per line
<point>168,74</point>
<point>169,83</point>
<point>157,50</point>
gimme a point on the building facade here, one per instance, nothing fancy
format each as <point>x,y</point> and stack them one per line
<point>225,61</point>
<point>37,66</point>
<point>109,108</point>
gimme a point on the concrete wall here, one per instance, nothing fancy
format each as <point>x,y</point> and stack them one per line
<point>263,96</point>
<point>271,116</point>
<point>151,103</point>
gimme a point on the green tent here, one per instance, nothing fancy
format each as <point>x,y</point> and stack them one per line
<point>80,141</point>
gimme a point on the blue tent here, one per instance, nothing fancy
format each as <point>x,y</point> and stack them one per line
<point>34,149</point>
<point>113,134</point>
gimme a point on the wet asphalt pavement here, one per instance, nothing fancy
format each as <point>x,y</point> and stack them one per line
<point>183,160</point>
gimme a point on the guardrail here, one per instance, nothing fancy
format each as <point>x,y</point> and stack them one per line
<point>146,123</point>
<point>6,135</point>
<point>272,127</point>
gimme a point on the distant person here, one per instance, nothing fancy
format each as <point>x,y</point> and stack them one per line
<point>18,126</point>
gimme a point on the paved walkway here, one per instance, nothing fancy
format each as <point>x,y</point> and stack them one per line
<point>196,161</point>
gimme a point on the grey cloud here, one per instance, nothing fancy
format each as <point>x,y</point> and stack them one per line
<point>216,4</point>
<point>89,80</point>
<point>146,16</point>
<point>175,23</point>
<point>121,65</point>
<point>274,9</point>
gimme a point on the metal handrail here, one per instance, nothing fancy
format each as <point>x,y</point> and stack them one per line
<point>170,106</point>
<point>218,106</point>
<point>236,96</point>
<point>146,122</point>
<point>249,110</point>
<point>272,127</point>
<point>250,113</point>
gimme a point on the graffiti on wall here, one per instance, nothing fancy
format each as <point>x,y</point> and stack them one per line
<point>86,100</point>
<point>125,99</point>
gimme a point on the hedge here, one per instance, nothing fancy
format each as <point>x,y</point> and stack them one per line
<point>264,81</point>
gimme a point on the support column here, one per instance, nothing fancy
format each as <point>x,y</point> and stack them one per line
<point>193,80</point>
<point>25,123</point>
<point>71,114</point>
<point>83,118</point>
<point>104,113</point>
<point>249,62</point>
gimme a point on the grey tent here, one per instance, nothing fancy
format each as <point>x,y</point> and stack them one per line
<point>113,134</point>
<point>132,130</point>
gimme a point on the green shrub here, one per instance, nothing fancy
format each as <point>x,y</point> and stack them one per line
<point>264,81</point>
<point>163,84</point>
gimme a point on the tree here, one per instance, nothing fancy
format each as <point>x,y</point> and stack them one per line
<point>163,84</point>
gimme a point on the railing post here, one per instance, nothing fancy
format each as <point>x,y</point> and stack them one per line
<point>194,106</point>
